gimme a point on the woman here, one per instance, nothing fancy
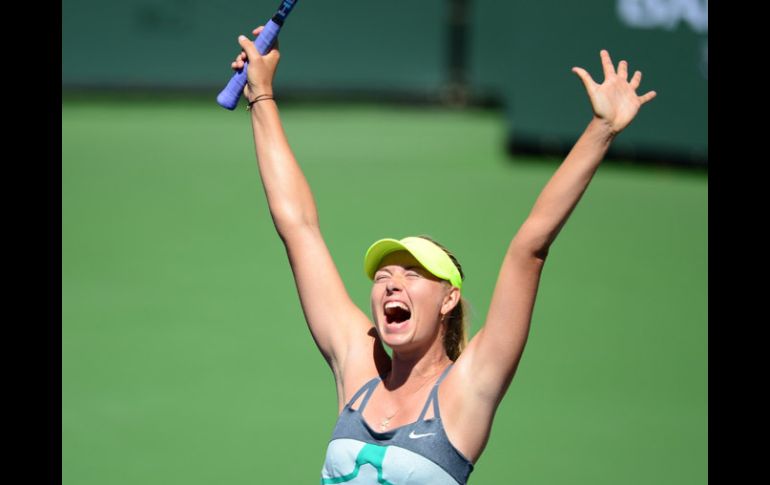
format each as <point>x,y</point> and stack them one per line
<point>391,428</point>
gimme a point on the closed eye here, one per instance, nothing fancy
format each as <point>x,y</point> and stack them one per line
<point>379,277</point>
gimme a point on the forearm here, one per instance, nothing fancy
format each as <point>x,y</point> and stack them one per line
<point>288,193</point>
<point>565,188</point>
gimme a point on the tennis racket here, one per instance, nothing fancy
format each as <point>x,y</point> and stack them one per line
<point>229,96</point>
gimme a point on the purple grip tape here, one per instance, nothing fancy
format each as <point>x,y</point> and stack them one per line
<point>229,96</point>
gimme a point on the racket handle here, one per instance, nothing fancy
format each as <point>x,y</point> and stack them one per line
<point>229,96</point>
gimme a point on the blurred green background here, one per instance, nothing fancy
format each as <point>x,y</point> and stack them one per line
<point>516,55</point>
<point>185,356</point>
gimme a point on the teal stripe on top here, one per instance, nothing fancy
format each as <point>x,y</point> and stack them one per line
<point>371,454</point>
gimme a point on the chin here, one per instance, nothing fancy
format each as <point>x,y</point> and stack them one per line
<point>395,334</point>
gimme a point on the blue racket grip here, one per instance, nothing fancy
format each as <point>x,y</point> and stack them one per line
<point>229,96</point>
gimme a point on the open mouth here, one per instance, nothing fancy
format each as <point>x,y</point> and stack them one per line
<point>397,312</point>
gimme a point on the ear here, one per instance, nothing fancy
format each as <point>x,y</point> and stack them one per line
<point>451,300</point>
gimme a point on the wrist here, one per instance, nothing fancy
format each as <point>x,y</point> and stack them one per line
<point>258,98</point>
<point>602,128</point>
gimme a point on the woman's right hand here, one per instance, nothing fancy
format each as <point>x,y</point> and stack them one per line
<point>261,68</point>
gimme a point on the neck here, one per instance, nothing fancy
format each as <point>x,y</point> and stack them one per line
<point>415,368</point>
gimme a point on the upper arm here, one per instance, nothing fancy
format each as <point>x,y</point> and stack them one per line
<point>335,322</point>
<point>493,355</point>
<point>484,370</point>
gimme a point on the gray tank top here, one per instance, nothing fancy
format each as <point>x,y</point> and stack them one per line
<point>417,453</point>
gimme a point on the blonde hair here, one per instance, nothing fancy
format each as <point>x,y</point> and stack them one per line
<point>456,334</point>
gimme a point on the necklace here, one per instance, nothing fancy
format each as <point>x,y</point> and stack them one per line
<point>386,421</point>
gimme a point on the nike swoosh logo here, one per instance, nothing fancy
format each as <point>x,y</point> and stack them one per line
<point>414,435</point>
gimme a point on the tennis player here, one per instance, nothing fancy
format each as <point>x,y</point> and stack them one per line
<point>423,416</point>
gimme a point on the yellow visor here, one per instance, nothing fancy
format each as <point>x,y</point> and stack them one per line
<point>430,256</point>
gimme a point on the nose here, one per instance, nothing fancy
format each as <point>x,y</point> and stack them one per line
<point>393,284</point>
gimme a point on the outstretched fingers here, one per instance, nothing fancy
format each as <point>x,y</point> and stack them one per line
<point>623,70</point>
<point>588,81</point>
<point>609,69</point>
<point>647,96</point>
<point>634,83</point>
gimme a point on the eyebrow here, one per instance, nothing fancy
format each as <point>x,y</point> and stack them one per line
<point>406,268</point>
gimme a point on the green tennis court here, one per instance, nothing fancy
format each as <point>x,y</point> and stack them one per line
<point>185,356</point>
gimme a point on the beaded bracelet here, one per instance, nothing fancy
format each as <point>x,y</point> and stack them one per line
<point>261,97</point>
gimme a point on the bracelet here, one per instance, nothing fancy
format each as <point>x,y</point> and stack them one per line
<point>261,97</point>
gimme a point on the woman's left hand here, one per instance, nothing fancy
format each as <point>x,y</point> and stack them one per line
<point>615,100</point>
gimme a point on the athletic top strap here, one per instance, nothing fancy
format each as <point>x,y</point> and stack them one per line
<point>368,388</point>
<point>433,397</point>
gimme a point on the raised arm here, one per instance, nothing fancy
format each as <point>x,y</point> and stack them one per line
<point>495,351</point>
<point>335,322</point>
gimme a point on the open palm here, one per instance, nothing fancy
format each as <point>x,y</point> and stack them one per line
<point>615,100</point>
